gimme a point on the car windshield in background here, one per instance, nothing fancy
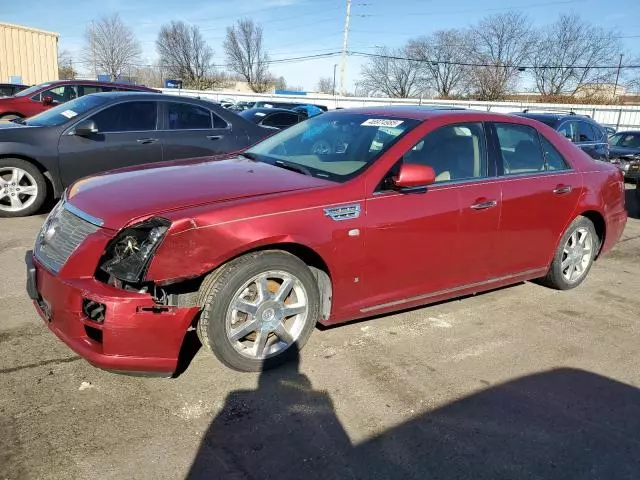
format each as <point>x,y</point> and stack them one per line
<point>65,112</point>
<point>625,140</point>
<point>31,90</point>
<point>336,146</point>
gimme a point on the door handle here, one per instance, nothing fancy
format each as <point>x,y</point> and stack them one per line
<point>562,189</point>
<point>215,137</point>
<point>484,205</point>
<point>146,141</point>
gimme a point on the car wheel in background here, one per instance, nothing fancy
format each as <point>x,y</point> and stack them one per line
<point>574,256</point>
<point>9,117</point>
<point>258,310</point>
<point>23,188</point>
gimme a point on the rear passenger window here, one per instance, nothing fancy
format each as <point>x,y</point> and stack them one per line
<point>89,89</point>
<point>188,117</point>
<point>520,149</point>
<point>553,159</point>
<point>585,132</point>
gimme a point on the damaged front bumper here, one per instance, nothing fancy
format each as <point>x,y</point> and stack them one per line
<point>111,328</point>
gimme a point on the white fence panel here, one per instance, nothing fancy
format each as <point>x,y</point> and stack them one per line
<point>620,117</point>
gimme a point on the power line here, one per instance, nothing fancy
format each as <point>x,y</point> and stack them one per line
<point>493,65</point>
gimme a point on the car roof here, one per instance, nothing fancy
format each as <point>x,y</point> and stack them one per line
<point>417,112</point>
<point>101,84</point>
<point>12,85</point>
<point>629,132</point>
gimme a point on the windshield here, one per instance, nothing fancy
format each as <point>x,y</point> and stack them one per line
<point>31,90</point>
<point>628,140</point>
<point>335,145</point>
<point>63,113</point>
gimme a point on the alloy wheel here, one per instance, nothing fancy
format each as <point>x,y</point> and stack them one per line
<point>267,315</point>
<point>18,189</point>
<point>576,255</point>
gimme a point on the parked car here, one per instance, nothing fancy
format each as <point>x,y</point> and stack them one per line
<point>308,110</point>
<point>587,134</point>
<point>10,89</point>
<point>287,105</point>
<point>624,150</point>
<point>254,249</point>
<point>240,106</point>
<point>39,98</point>
<point>41,155</point>
<point>609,130</point>
<point>278,118</point>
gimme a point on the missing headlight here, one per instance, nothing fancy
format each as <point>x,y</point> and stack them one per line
<point>128,255</point>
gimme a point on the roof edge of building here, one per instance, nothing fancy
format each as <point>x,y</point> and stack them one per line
<point>28,29</point>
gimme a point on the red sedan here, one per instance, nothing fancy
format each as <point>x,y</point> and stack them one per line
<point>37,99</point>
<point>349,214</point>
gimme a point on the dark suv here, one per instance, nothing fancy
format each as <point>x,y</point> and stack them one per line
<point>39,98</point>
<point>587,134</point>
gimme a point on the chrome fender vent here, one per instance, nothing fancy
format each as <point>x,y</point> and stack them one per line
<point>346,212</point>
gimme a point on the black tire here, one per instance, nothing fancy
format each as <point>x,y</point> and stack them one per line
<point>555,278</point>
<point>216,294</point>
<point>40,183</point>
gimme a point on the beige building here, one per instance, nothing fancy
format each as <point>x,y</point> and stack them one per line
<point>27,53</point>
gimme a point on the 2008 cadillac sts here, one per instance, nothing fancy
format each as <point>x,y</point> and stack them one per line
<point>346,215</point>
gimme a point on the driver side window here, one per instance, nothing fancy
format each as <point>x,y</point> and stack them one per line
<point>455,152</point>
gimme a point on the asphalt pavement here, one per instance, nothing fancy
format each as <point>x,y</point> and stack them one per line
<point>522,382</point>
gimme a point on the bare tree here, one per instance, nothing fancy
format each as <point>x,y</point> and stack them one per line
<point>499,44</point>
<point>65,66</point>
<point>111,46</point>
<point>442,55</point>
<point>390,72</point>
<point>325,85</point>
<point>567,53</point>
<point>247,56</point>
<point>184,54</point>
<point>280,83</point>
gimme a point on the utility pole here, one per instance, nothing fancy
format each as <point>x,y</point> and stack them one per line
<point>343,63</point>
<point>615,86</point>
<point>334,78</point>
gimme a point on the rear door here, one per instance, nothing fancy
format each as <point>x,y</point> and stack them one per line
<point>540,192</point>
<point>127,135</point>
<point>191,130</point>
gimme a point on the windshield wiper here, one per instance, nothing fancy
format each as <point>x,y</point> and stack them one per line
<point>294,167</point>
<point>250,156</point>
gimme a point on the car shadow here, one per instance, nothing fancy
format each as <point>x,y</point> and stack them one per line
<point>559,424</point>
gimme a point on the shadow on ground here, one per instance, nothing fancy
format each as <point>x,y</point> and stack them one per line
<point>559,424</point>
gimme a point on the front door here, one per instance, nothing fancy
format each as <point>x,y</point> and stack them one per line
<point>127,135</point>
<point>194,131</point>
<point>539,195</point>
<point>425,242</point>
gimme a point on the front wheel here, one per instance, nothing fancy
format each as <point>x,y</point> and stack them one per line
<point>258,310</point>
<point>574,256</point>
<point>23,188</point>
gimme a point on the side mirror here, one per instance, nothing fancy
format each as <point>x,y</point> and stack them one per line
<point>47,100</point>
<point>85,128</point>
<point>412,175</point>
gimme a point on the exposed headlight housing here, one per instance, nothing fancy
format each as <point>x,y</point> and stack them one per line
<point>128,255</point>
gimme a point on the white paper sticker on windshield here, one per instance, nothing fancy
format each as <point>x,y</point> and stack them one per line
<point>381,122</point>
<point>68,113</point>
<point>260,114</point>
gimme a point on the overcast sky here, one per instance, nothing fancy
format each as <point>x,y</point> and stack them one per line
<point>294,28</point>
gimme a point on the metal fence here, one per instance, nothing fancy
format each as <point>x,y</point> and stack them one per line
<point>619,117</point>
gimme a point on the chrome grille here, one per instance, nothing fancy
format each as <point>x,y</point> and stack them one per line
<point>60,235</point>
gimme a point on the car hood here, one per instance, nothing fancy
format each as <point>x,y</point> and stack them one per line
<point>6,125</point>
<point>122,196</point>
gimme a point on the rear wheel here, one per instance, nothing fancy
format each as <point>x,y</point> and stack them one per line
<point>23,188</point>
<point>259,310</point>
<point>574,257</point>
